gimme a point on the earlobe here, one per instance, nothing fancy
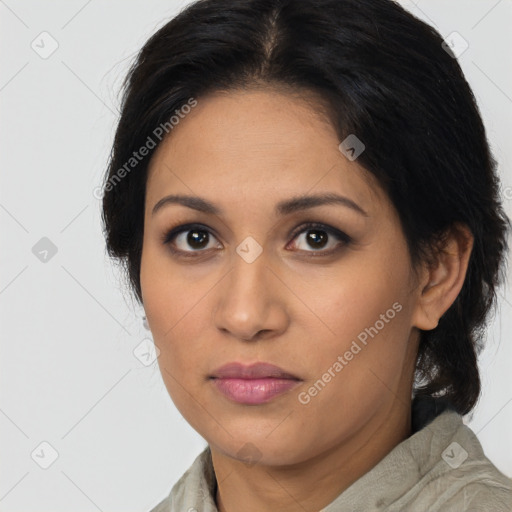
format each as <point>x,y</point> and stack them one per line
<point>442,280</point>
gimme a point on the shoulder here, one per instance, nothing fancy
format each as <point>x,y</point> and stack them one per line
<point>453,472</point>
<point>463,478</point>
<point>484,488</point>
<point>488,495</point>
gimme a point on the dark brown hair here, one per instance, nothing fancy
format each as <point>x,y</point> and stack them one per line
<point>388,79</point>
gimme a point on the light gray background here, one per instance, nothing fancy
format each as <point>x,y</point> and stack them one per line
<point>69,376</point>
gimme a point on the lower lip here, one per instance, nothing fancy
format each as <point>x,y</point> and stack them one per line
<point>253,391</point>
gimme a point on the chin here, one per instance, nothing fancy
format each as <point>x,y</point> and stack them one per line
<point>253,448</point>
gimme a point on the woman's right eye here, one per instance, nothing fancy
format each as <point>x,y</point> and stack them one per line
<point>191,235</point>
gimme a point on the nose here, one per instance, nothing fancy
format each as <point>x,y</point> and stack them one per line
<point>250,304</point>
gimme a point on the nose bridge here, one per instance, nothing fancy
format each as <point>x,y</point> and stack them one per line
<point>248,302</point>
<point>249,266</point>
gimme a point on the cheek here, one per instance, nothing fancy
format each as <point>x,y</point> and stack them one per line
<point>367,315</point>
<point>164,304</point>
<point>361,295</point>
<point>177,329</point>
<point>177,321</point>
<point>165,294</point>
<point>178,310</point>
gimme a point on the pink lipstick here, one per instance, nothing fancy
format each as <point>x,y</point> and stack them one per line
<point>253,384</point>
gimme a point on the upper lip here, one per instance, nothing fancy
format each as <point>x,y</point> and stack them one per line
<point>253,371</point>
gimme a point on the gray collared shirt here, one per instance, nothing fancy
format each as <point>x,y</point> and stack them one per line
<point>440,467</point>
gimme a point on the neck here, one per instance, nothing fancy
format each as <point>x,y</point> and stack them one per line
<point>314,483</point>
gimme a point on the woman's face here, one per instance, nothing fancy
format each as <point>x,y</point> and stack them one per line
<point>332,304</point>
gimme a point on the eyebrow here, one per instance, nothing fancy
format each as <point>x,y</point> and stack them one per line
<point>285,207</point>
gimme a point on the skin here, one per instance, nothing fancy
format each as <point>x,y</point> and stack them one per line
<point>245,151</point>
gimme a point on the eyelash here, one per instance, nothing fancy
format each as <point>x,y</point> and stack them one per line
<point>171,234</point>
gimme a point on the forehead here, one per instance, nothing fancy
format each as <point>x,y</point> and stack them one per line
<point>261,143</point>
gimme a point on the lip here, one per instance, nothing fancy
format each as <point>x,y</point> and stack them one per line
<point>253,371</point>
<point>253,384</point>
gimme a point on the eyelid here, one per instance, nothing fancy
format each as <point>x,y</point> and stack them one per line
<point>320,226</point>
<point>173,232</point>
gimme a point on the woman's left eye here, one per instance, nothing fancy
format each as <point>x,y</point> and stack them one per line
<point>198,237</point>
<point>316,235</point>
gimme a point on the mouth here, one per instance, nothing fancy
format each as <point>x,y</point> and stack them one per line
<point>253,371</point>
<point>253,384</point>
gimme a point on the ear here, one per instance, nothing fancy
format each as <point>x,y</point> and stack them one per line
<point>442,279</point>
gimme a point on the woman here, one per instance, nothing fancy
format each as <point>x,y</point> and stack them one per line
<point>306,206</point>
